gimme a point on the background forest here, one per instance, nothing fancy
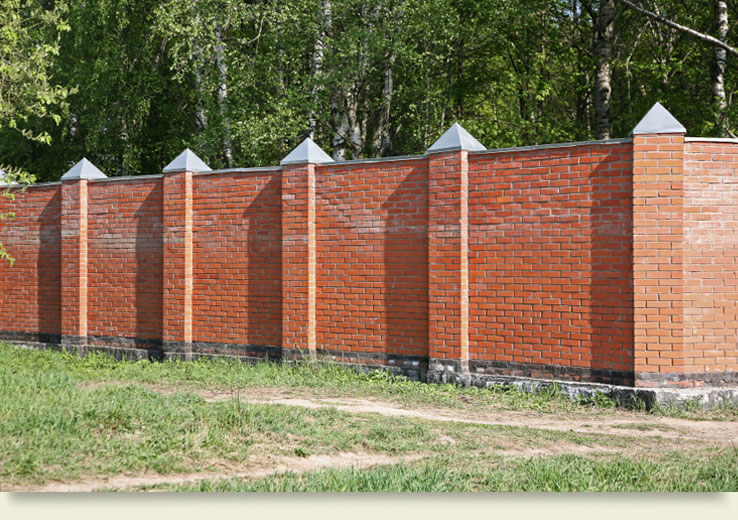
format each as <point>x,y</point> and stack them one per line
<point>130,83</point>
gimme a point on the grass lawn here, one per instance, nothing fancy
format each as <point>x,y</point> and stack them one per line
<point>71,423</point>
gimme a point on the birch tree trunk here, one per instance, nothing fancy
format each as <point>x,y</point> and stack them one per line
<point>201,113</point>
<point>324,15</point>
<point>381,140</point>
<point>223,99</point>
<point>604,35</point>
<point>340,128</point>
<point>718,75</point>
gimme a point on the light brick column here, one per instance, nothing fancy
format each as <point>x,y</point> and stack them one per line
<point>74,253</point>
<point>299,291</point>
<point>74,262</point>
<point>177,249</point>
<point>448,256</point>
<point>658,313</point>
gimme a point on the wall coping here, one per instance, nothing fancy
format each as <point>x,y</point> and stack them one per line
<point>251,169</point>
<point>396,158</point>
<point>570,144</point>
<point>710,140</point>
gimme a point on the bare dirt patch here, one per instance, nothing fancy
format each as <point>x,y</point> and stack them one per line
<point>254,470</point>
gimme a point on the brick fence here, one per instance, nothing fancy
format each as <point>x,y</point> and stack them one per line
<point>606,261</point>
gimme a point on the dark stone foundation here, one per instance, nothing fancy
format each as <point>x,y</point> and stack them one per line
<point>576,383</point>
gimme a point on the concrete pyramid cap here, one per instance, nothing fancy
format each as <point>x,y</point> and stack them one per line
<point>658,120</point>
<point>187,161</point>
<point>83,170</point>
<point>307,152</point>
<point>4,180</point>
<point>456,138</point>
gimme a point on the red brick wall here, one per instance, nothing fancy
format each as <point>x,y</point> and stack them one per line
<point>550,257</point>
<point>237,259</point>
<point>598,261</point>
<point>125,259</point>
<point>30,291</point>
<point>710,257</point>
<point>372,269</point>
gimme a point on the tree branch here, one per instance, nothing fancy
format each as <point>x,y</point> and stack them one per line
<point>696,34</point>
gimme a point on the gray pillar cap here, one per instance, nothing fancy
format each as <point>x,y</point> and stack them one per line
<point>658,120</point>
<point>307,152</point>
<point>456,138</point>
<point>187,161</point>
<point>83,170</point>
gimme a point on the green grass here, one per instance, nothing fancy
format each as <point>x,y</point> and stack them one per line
<point>644,427</point>
<point>318,378</point>
<point>325,380</point>
<point>58,423</point>
<point>672,472</point>
<point>337,380</point>
<point>52,428</point>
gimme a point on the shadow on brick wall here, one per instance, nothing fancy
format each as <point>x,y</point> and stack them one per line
<point>48,265</point>
<point>264,243</point>
<point>611,288</point>
<point>406,267</point>
<point>149,268</point>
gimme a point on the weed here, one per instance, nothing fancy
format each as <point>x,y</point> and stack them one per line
<point>302,452</point>
<point>598,400</point>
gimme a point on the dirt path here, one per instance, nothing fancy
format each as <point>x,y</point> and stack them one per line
<point>253,471</point>
<point>619,423</point>
<point>710,431</point>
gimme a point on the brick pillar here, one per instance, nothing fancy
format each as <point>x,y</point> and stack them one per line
<point>658,171</point>
<point>177,269</point>
<point>74,262</point>
<point>448,256</point>
<point>299,292</point>
<point>74,253</point>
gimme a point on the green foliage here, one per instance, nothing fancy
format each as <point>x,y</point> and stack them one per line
<point>129,84</point>
<point>11,181</point>
<point>29,45</point>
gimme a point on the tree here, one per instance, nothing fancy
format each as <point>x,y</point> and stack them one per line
<point>718,64</point>
<point>603,21</point>
<point>29,43</point>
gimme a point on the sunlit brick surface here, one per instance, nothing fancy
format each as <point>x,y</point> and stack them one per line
<point>710,262</point>
<point>550,257</point>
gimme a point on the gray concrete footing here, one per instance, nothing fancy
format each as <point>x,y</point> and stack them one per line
<point>628,396</point>
<point>706,397</point>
